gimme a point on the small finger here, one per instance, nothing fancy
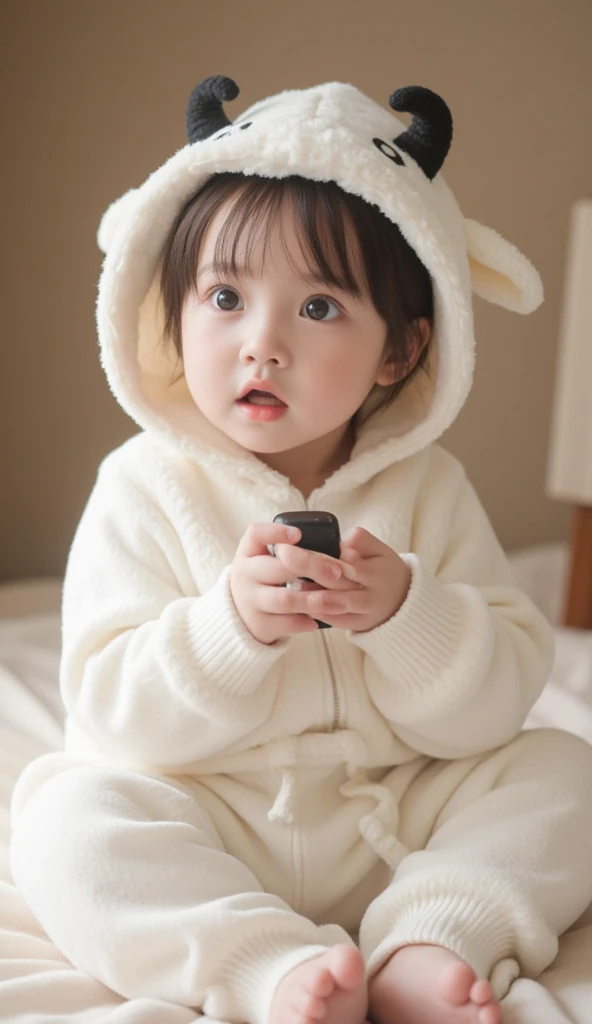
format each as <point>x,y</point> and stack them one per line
<point>355,575</point>
<point>270,571</point>
<point>326,602</point>
<point>258,538</point>
<point>310,564</point>
<point>281,601</point>
<point>351,602</point>
<point>350,555</point>
<point>353,571</point>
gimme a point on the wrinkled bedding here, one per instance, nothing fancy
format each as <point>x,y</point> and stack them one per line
<point>38,986</point>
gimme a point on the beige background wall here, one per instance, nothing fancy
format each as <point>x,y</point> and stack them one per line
<point>94,94</point>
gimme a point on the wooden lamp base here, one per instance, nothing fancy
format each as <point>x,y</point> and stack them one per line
<point>578,607</point>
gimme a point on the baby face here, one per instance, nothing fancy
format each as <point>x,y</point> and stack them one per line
<point>320,349</point>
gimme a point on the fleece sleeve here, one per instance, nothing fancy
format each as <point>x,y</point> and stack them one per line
<point>459,666</point>
<point>152,672</point>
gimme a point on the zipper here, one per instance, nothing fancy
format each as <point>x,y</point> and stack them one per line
<point>336,712</point>
<point>334,691</point>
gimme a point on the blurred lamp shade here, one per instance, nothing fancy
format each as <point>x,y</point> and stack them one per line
<point>569,474</point>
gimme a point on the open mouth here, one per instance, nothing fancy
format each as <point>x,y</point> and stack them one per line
<point>262,407</point>
<point>261,398</point>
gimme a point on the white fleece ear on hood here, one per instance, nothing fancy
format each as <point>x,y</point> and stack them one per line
<point>500,273</point>
<point>113,218</point>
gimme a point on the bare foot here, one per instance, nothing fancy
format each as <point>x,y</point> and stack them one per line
<point>330,987</point>
<point>423,984</point>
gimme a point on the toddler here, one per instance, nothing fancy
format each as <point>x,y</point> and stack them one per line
<point>263,820</point>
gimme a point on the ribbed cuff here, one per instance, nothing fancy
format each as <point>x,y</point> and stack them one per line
<point>227,653</point>
<point>478,925</point>
<point>434,646</point>
<point>476,932</point>
<point>252,979</point>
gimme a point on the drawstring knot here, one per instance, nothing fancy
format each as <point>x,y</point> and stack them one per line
<point>379,827</point>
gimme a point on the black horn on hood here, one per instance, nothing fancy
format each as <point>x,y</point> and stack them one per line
<point>429,135</point>
<point>204,114</point>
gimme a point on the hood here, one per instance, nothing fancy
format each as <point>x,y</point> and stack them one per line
<point>329,132</point>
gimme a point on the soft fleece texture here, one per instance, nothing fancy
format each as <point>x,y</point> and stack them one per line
<point>38,984</point>
<point>160,675</point>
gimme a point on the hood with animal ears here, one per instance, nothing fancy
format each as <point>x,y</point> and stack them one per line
<point>328,132</point>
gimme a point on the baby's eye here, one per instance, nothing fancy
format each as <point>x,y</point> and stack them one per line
<point>319,308</point>
<point>226,299</point>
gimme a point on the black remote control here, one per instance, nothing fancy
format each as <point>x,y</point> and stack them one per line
<point>320,532</point>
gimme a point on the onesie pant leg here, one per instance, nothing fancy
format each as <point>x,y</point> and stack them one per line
<point>128,876</point>
<point>502,861</point>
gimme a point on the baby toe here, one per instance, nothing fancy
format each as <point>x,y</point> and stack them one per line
<point>455,983</point>
<point>481,992</point>
<point>490,1014</point>
<point>320,983</point>
<point>310,1007</point>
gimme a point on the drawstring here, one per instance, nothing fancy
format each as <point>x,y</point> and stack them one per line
<point>379,827</point>
<point>283,805</point>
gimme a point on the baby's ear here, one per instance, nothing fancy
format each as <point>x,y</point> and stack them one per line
<point>113,218</point>
<point>387,373</point>
<point>500,273</point>
<point>419,335</point>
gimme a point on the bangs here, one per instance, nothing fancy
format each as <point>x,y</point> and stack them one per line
<point>320,219</point>
<point>345,242</point>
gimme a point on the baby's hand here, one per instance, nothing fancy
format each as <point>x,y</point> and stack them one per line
<point>257,581</point>
<point>374,585</point>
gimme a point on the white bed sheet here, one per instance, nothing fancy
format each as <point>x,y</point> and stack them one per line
<point>38,986</point>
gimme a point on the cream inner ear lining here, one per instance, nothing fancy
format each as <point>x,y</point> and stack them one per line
<point>493,280</point>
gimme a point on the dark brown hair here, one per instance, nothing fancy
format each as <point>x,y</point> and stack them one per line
<point>396,280</point>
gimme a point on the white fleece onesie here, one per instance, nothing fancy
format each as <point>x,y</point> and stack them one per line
<point>226,809</point>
